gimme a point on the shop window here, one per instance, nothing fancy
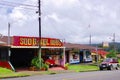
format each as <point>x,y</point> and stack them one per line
<point>75,56</point>
<point>88,54</point>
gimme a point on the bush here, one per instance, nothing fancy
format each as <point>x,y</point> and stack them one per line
<point>66,66</point>
<point>46,66</point>
<point>36,62</point>
<point>39,63</point>
<point>112,54</point>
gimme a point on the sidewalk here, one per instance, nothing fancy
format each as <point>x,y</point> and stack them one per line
<point>53,70</point>
<point>50,71</point>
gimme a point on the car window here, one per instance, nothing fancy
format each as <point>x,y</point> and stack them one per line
<point>115,60</point>
<point>110,60</point>
<point>107,60</point>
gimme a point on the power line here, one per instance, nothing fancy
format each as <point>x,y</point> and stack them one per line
<point>23,6</point>
<point>7,6</point>
<point>18,3</point>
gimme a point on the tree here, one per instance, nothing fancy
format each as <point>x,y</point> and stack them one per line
<point>112,54</point>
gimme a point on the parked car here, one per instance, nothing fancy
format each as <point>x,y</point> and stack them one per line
<point>109,64</point>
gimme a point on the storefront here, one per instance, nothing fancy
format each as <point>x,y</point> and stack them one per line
<point>4,55</point>
<point>54,53</point>
<point>74,56</point>
<point>23,49</point>
<point>86,55</point>
<point>82,56</point>
<point>98,54</point>
<point>76,53</point>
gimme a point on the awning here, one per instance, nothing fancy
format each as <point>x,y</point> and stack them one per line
<point>100,52</point>
<point>24,47</point>
<point>93,53</point>
<point>33,47</point>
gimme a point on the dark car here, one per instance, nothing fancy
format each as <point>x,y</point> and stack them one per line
<point>109,64</point>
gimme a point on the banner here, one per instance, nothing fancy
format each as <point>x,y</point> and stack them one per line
<point>34,41</point>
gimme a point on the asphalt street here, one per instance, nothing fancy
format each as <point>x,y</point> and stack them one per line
<point>96,75</point>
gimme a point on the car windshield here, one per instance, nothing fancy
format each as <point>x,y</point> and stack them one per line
<point>107,60</point>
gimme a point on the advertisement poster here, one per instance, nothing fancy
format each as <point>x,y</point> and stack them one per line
<point>74,58</point>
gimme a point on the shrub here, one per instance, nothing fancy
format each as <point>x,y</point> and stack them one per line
<point>112,54</point>
<point>66,66</point>
<point>39,63</point>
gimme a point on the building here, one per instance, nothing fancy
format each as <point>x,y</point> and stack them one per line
<point>23,49</point>
<point>79,53</point>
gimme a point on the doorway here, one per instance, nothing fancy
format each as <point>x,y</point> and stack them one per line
<point>21,58</point>
<point>81,56</point>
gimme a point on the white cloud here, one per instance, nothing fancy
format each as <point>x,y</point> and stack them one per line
<point>54,16</point>
<point>17,14</point>
<point>66,19</point>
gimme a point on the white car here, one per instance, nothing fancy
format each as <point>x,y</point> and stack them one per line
<point>109,64</point>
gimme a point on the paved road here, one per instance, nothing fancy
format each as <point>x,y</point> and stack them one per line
<point>97,75</point>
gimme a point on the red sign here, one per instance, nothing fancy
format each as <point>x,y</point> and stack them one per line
<point>34,41</point>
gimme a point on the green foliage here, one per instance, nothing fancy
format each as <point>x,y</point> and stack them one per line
<point>67,64</point>
<point>112,54</point>
<point>39,63</point>
<point>46,66</point>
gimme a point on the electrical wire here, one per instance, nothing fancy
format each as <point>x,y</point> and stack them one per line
<point>22,6</point>
<point>18,3</point>
<point>7,5</point>
<point>32,7</point>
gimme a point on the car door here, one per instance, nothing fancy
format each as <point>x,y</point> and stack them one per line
<point>114,63</point>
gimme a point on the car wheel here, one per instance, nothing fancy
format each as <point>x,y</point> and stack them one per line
<point>117,68</point>
<point>101,69</point>
<point>110,68</point>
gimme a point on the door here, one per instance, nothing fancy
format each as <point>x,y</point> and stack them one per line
<point>81,57</point>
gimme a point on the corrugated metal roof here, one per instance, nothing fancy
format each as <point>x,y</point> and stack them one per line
<point>78,46</point>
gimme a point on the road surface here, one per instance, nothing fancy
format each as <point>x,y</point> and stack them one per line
<point>96,75</point>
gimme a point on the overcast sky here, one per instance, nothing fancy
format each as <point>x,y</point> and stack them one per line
<point>71,20</point>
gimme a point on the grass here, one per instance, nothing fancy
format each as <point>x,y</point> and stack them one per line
<point>6,73</point>
<point>83,67</point>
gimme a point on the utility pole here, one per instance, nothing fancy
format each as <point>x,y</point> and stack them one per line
<point>9,42</point>
<point>114,39</point>
<point>9,45</point>
<point>90,40</point>
<point>114,47</point>
<point>89,36</point>
<point>39,42</point>
<point>9,34</point>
